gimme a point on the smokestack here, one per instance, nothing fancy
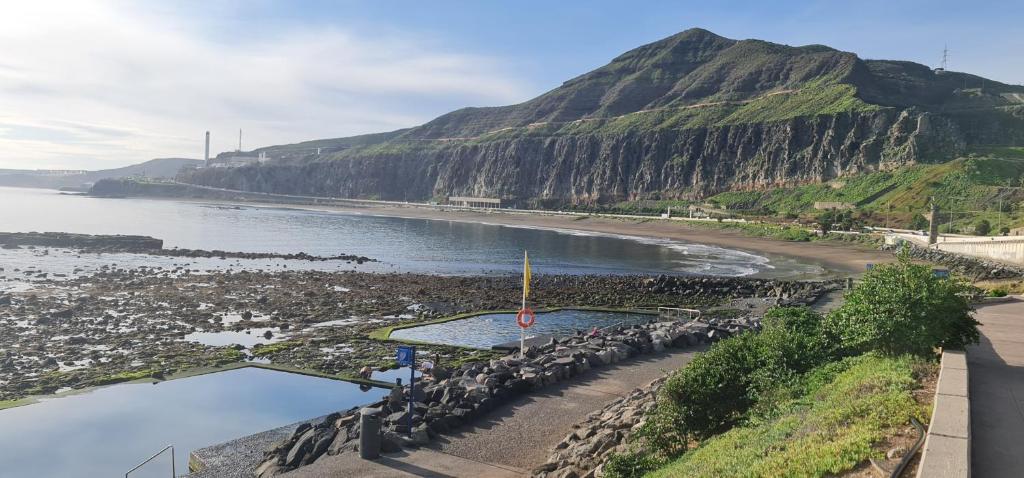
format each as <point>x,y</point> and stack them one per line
<point>206,156</point>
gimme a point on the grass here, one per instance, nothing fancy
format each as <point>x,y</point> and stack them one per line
<point>267,350</point>
<point>846,409</point>
<point>124,377</point>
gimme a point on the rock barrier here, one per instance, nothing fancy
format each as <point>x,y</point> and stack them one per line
<point>584,450</point>
<point>971,267</point>
<point>118,243</point>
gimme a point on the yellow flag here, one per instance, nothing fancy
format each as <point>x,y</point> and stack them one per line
<point>526,275</point>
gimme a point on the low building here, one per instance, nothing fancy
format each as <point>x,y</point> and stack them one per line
<point>1017,231</point>
<point>464,201</point>
<point>237,159</point>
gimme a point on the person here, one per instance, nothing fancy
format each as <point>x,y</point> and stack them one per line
<point>366,372</point>
<point>595,332</point>
<point>427,367</point>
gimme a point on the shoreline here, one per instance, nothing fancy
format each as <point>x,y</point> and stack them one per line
<point>834,257</point>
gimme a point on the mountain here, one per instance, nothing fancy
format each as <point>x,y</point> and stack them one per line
<point>48,179</point>
<point>689,116</point>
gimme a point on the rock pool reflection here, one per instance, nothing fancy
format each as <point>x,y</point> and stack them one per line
<point>485,331</point>
<point>107,431</point>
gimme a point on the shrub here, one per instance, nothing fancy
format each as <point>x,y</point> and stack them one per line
<point>904,308</point>
<point>628,465</point>
<point>998,292</point>
<point>919,223</point>
<point>983,227</point>
<point>719,386</point>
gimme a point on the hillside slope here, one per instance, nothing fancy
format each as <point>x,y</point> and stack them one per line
<point>688,116</point>
<point>154,168</point>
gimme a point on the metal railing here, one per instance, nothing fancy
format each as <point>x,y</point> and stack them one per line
<point>174,472</point>
<point>677,312</point>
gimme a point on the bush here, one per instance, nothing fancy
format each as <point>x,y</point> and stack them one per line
<point>998,292</point>
<point>846,408</point>
<point>919,223</point>
<point>983,227</point>
<point>904,308</point>
<point>630,465</point>
<point>719,386</point>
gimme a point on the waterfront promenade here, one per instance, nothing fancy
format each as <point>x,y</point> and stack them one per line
<point>515,437</point>
<point>996,368</point>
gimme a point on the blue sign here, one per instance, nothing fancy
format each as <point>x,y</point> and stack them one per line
<point>869,266</point>
<point>406,355</point>
<point>941,273</point>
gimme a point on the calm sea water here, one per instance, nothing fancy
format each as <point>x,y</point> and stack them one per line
<point>107,431</point>
<point>406,245</point>
<point>488,330</point>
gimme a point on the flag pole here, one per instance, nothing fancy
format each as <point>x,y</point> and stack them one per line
<point>522,331</point>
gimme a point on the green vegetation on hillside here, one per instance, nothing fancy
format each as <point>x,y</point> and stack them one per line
<point>970,189</point>
<point>807,395</point>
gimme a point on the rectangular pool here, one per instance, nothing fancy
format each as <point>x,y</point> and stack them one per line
<point>106,431</point>
<point>488,330</point>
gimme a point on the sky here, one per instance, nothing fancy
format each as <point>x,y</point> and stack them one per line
<point>94,84</point>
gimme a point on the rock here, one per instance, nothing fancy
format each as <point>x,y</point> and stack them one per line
<point>420,435</point>
<point>302,447</point>
<point>896,452</point>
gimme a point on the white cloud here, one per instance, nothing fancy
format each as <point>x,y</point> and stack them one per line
<point>92,84</point>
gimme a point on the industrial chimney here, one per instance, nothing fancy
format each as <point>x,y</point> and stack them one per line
<point>206,156</point>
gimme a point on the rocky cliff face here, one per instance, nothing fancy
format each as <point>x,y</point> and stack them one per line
<point>691,115</point>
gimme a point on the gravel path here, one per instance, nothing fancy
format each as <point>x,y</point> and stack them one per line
<point>522,433</point>
<point>515,437</point>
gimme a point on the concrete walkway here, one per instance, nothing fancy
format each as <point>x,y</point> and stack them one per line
<point>996,368</point>
<point>515,437</point>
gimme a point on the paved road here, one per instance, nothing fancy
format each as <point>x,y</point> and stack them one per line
<point>996,368</point>
<point>515,437</point>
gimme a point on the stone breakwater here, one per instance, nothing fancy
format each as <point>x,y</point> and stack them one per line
<point>147,245</point>
<point>971,267</point>
<point>111,243</point>
<point>476,388</point>
<point>585,449</point>
<point>300,256</point>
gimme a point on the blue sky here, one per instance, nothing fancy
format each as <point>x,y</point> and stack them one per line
<point>97,83</point>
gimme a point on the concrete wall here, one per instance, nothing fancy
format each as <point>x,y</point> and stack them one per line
<point>1005,249</point>
<point>947,449</point>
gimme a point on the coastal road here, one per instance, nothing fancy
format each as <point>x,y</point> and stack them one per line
<point>515,437</point>
<point>996,371</point>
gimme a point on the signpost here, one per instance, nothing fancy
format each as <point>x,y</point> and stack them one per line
<point>406,356</point>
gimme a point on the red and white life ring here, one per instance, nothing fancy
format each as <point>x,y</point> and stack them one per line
<point>525,312</point>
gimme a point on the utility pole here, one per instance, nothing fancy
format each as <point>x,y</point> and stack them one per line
<point>239,140</point>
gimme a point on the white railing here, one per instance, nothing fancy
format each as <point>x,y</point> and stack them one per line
<point>677,312</point>
<point>174,472</point>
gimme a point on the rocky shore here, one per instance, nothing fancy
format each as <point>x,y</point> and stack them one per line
<point>476,388</point>
<point>98,243</point>
<point>147,245</point>
<point>584,451</point>
<point>125,324</point>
